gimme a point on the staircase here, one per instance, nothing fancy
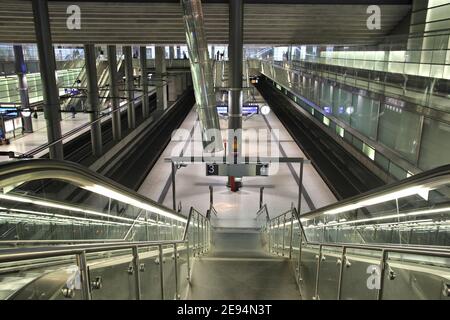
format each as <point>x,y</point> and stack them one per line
<point>238,267</point>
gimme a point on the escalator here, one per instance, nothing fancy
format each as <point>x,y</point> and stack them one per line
<point>389,243</point>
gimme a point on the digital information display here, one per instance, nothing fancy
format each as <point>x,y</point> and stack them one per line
<point>246,109</point>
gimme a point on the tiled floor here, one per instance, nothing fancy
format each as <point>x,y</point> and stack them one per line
<point>236,209</point>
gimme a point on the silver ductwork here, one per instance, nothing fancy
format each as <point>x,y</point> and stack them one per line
<point>202,75</point>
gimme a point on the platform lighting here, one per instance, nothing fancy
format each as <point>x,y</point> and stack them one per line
<point>420,190</point>
<point>64,207</point>
<point>394,216</point>
<point>128,200</point>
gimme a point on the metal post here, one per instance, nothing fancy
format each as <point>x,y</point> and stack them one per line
<point>147,233</point>
<point>211,196</point>
<point>137,275</point>
<point>300,187</point>
<point>47,69</point>
<point>384,254</point>
<point>144,81</point>
<point>188,261</point>
<point>278,236</point>
<point>284,235</point>
<point>174,200</point>
<point>236,14</point>
<point>93,103</point>
<point>198,233</point>
<point>175,252</point>
<point>300,259</point>
<point>341,272</point>
<point>319,258</point>
<point>130,86</point>
<point>204,235</point>
<point>270,235</point>
<point>161,270</point>
<point>85,285</point>
<point>114,93</point>
<point>290,238</point>
<point>261,195</point>
<point>21,72</point>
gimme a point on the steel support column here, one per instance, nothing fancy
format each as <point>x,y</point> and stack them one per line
<point>236,15</point>
<point>21,72</point>
<point>130,86</point>
<point>47,67</point>
<point>144,81</point>
<point>93,102</point>
<point>114,93</point>
<point>161,78</point>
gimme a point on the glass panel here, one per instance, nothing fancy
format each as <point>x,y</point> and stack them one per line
<point>169,272</point>
<point>415,277</point>
<point>364,118</point>
<point>435,145</point>
<point>329,273</point>
<point>117,274</point>
<point>308,270</point>
<point>400,130</point>
<point>49,209</point>
<point>41,279</point>
<point>150,273</point>
<point>359,277</point>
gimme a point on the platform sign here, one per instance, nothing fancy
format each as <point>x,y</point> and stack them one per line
<point>212,169</point>
<point>246,109</point>
<point>237,170</point>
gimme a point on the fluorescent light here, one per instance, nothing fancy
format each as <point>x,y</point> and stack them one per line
<point>65,207</point>
<point>422,191</point>
<point>128,200</point>
<point>393,216</point>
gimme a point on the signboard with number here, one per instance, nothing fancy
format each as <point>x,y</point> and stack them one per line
<point>237,170</point>
<point>212,169</point>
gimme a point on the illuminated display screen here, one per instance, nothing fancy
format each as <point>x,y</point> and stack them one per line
<point>9,112</point>
<point>246,109</point>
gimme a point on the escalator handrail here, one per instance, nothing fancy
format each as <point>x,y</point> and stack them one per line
<point>439,173</point>
<point>392,248</point>
<point>14,172</point>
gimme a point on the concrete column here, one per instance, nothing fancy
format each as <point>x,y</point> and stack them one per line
<point>93,106</point>
<point>114,93</point>
<point>235,71</point>
<point>171,86</point>
<point>47,69</point>
<point>171,52</point>
<point>161,78</point>
<point>131,112</point>
<point>179,85</point>
<point>144,81</point>
<point>21,71</point>
<point>183,81</point>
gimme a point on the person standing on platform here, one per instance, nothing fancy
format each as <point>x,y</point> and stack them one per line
<point>74,112</point>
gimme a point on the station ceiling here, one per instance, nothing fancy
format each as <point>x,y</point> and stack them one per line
<point>149,22</point>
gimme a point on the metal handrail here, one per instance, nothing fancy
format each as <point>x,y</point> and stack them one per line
<point>384,249</point>
<point>263,209</point>
<point>80,251</point>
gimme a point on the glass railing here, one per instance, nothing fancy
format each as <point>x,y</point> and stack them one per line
<point>67,232</point>
<point>53,200</point>
<point>391,243</point>
<point>413,212</point>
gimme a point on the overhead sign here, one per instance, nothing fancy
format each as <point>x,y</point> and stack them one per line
<point>246,109</point>
<point>237,170</point>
